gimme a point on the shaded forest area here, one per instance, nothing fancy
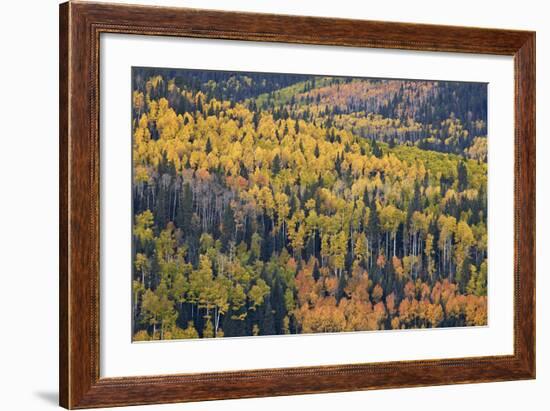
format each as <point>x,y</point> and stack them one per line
<point>281,204</point>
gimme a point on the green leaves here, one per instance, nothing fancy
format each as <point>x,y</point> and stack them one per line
<point>143,227</point>
<point>257,293</point>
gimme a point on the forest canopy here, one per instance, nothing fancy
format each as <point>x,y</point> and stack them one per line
<point>269,204</point>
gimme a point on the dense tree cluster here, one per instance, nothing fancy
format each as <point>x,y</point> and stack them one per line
<point>271,205</point>
<point>442,116</point>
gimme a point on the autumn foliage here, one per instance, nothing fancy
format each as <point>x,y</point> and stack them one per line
<point>278,204</point>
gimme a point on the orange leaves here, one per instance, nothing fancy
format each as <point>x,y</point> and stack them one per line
<point>423,307</point>
<point>471,308</point>
<point>318,313</point>
<point>331,285</point>
<point>390,304</point>
<point>379,315</point>
<point>398,267</point>
<point>358,315</point>
<point>436,292</point>
<point>454,307</point>
<point>325,317</point>
<point>304,286</point>
<point>358,286</point>
<point>237,182</point>
<point>407,311</point>
<point>419,314</point>
<point>476,310</point>
<point>203,175</point>
<point>448,290</point>
<point>347,315</point>
<point>410,290</point>
<point>381,260</point>
<point>395,324</point>
<point>435,315</point>
<point>377,293</point>
<point>424,291</point>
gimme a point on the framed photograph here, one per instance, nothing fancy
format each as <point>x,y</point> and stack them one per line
<point>259,205</point>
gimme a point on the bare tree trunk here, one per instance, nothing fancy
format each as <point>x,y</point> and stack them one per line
<point>175,200</point>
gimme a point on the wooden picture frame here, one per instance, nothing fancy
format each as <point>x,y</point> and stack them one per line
<point>80,27</point>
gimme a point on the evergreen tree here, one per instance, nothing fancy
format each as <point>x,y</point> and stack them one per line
<point>278,302</point>
<point>374,229</point>
<point>316,272</point>
<point>276,165</point>
<point>462,173</point>
<point>228,228</point>
<point>376,150</point>
<point>267,321</point>
<point>184,212</point>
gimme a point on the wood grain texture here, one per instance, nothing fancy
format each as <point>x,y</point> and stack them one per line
<point>63,205</point>
<point>525,203</point>
<point>80,27</point>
